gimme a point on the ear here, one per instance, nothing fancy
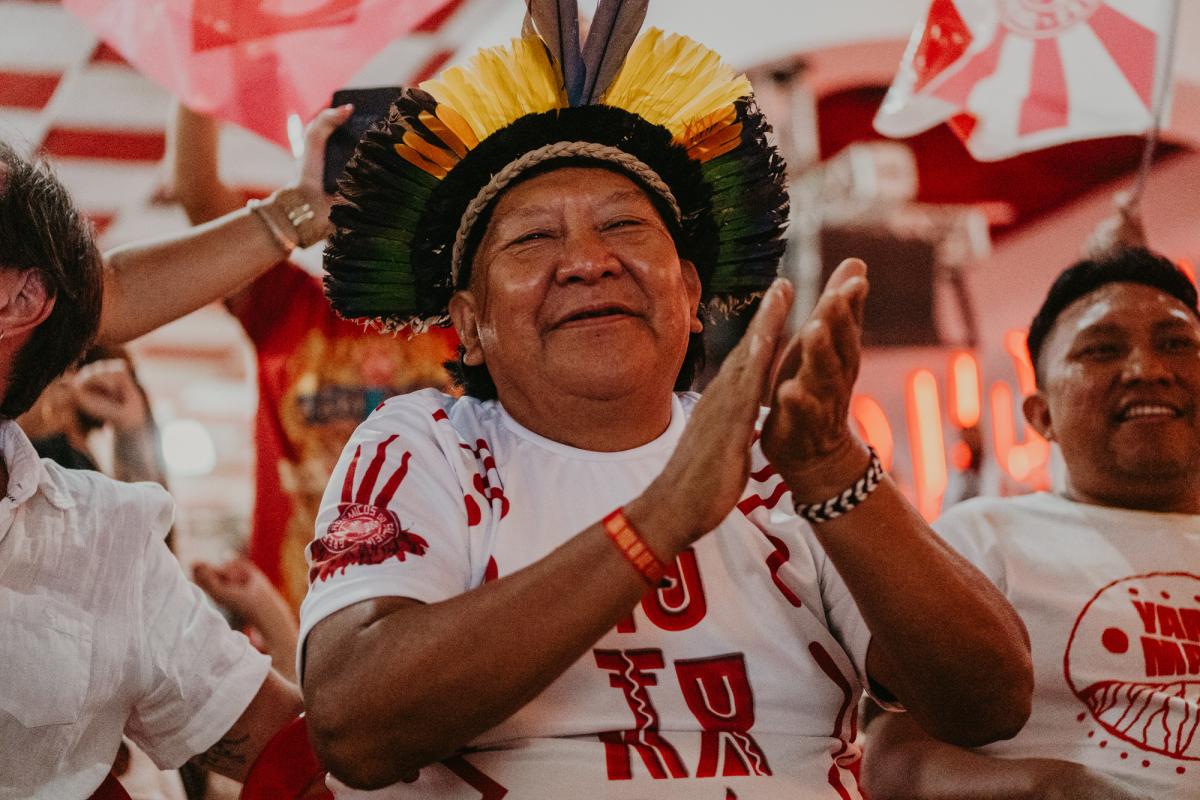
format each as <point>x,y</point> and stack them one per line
<point>1037,414</point>
<point>25,302</point>
<point>464,313</point>
<point>691,285</point>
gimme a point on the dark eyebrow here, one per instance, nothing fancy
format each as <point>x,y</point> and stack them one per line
<point>1172,323</point>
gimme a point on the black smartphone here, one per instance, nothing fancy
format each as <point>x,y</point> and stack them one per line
<point>369,105</point>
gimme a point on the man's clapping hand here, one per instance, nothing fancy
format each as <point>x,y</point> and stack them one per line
<point>806,435</point>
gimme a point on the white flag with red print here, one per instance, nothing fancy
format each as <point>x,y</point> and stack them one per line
<point>253,62</point>
<point>1017,75</point>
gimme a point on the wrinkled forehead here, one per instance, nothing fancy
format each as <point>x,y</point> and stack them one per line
<point>542,194</point>
<point>546,190</point>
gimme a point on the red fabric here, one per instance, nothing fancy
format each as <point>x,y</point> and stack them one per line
<point>111,789</point>
<point>286,768</point>
<point>318,378</point>
<point>253,64</point>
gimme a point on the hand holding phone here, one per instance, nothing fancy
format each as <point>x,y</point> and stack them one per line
<point>370,105</point>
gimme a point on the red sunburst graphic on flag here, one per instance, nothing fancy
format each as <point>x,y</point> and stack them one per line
<point>1047,103</point>
<point>1016,75</point>
<point>1045,17</point>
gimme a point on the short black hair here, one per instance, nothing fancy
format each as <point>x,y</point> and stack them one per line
<point>41,230</point>
<point>1126,265</point>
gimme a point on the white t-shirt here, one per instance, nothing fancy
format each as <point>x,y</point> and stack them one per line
<point>1111,598</point>
<point>741,680</point>
<point>101,633</point>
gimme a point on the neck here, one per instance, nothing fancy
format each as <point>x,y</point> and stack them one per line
<point>597,424</point>
<point>1162,497</point>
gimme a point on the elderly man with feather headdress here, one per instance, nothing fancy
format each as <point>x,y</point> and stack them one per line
<point>580,576</point>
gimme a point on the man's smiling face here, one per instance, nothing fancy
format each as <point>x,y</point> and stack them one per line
<point>577,285</point>
<point>1119,375</point>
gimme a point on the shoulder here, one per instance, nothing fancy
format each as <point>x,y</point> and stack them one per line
<point>105,529</point>
<point>980,510</point>
<point>121,510</point>
<point>429,427</point>
<point>1003,512</point>
<point>430,412</point>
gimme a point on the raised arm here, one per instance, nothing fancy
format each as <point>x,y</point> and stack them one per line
<point>195,167</point>
<point>945,642</point>
<point>149,284</point>
<point>905,763</point>
<point>106,390</point>
<point>385,680</point>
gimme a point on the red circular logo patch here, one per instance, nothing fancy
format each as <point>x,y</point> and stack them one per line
<point>1133,658</point>
<point>1044,18</point>
<point>362,534</point>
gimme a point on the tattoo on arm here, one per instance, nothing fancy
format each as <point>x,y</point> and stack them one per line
<point>229,755</point>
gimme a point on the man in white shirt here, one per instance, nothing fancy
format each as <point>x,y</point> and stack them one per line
<point>102,634</point>
<point>1105,571</point>
<point>575,580</point>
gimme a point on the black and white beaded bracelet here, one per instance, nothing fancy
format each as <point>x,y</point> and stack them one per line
<point>843,503</point>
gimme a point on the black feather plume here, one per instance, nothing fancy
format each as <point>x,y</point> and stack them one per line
<point>613,31</point>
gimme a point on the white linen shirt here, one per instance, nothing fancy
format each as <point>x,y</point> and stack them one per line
<point>101,634</point>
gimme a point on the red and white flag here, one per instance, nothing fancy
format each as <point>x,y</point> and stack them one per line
<point>1017,75</point>
<point>253,62</point>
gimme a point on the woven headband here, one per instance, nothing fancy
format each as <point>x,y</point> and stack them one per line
<point>550,152</point>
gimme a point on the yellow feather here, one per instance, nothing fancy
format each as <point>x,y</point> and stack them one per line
<point>443,158</point>
<point>498,86</point>
<point>719,136</point>
<point>455,122</point>
<point>718,144</point>
<point>704,126</point>
<point>672,81</point>
<point>443,132</point>
<point>419,161</point>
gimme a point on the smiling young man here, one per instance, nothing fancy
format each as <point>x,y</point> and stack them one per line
<point>577,578</point>
<point>1104,571</point>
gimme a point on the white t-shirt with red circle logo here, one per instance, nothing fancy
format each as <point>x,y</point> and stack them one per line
<point>740,680</point>
<point>1111,598</point>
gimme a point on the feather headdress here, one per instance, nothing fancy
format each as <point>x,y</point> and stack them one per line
<point>659,107</point>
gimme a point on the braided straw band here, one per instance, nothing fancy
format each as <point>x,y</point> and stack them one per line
<point>501,180</point>
<point>845,502</point>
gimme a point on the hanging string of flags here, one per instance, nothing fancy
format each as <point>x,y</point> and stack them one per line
<point>1011,76</point>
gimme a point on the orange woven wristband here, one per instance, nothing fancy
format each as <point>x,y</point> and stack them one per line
<point>634,547</point>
